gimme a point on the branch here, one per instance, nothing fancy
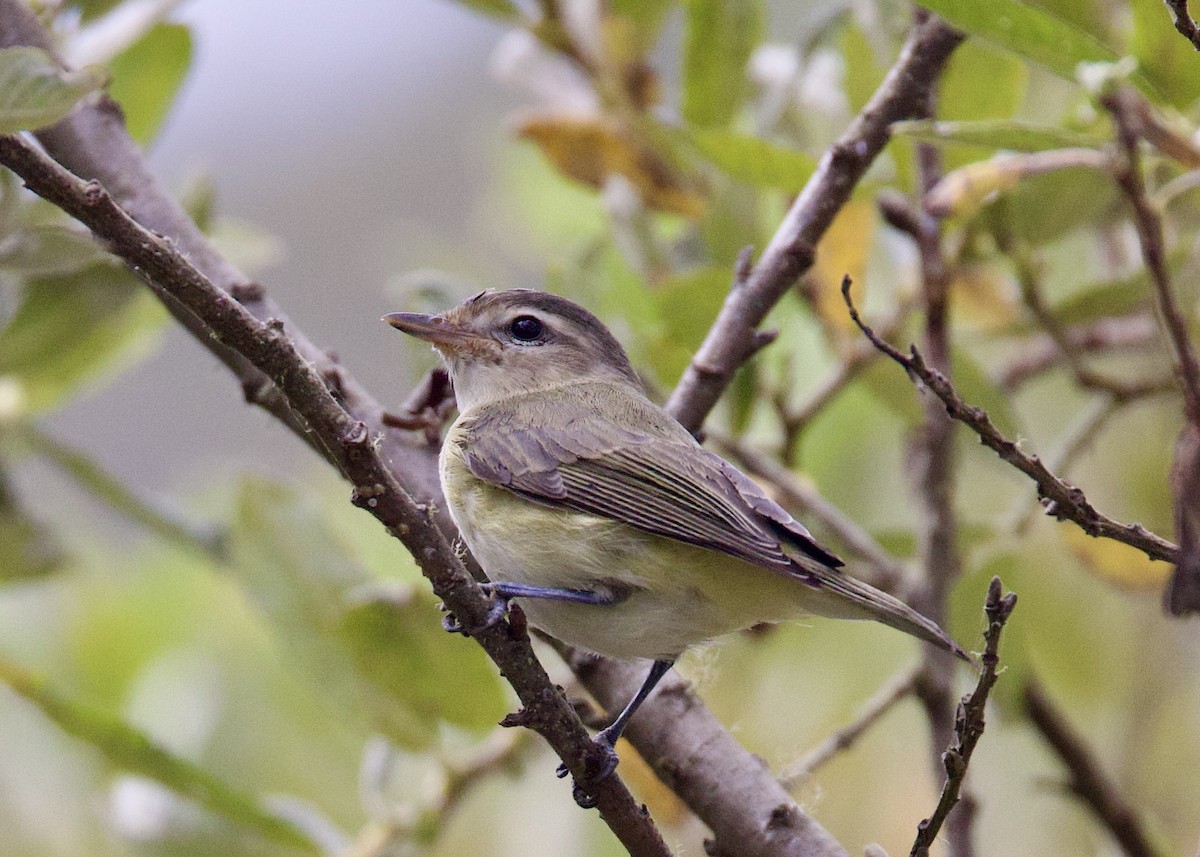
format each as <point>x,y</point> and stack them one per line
<point>349,445</point>
<point>1184,22</point>
<point>1061,500</point>
<point>894,690</point>
<point>969,720</point>
<point>765,822</point>
<point>1041,353</point>
<point>730,340</point>
<point>1087,780</point>
<point>1126,108</point>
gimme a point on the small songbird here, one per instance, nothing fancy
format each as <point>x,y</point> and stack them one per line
<point>616,529</point>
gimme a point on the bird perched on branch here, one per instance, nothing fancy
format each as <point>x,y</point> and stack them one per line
<point>616,529</point>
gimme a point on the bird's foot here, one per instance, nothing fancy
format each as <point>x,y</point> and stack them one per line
<point>497,610</point>
<point>601,762</point>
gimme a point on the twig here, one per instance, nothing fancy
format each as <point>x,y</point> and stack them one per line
<point>348,444</point>
<point>894,690</point>
<point>790,253</point>
<point>889,573</point>
<point>1042,353</point>
<point>1061,500</point>
<point>1184,22</point>
<point>1123,103</point>
<point>1087,780</point>
<point>969,720</point>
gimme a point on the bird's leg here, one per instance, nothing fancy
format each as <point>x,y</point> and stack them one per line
<point>502,593</point>
<point>607,737</point>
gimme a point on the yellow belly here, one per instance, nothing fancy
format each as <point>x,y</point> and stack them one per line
<point>679,594</point>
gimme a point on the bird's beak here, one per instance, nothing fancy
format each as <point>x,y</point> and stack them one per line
<point>433,328</point>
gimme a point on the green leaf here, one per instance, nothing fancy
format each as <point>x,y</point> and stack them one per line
<point>28,549</point>
<point>1166,59</point>
<point>49,250</point>
<point>73,329</point>
<point>36,92</point>
<point>131,750</point>
<point>891,387</point>
<point>718,39</point>
<point>502,10</point>
<point>686,306</point>
<point>753,160</point>
<point>374,649</point>
<point>147,77</point>
<point>1025,30</point>
<point>1008,134</point>
<point>976,388</point>
<point>1042,208</point>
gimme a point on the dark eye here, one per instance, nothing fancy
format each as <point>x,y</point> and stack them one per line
<point>525,328</point>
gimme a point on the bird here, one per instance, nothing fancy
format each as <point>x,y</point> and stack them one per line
<point>618,532</point>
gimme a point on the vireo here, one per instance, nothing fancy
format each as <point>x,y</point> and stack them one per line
<point>616,529</point>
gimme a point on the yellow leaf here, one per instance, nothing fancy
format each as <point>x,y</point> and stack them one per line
<point>985,295</point>
<point>843,250</point>
<point>589,149</point>
<point>964,191</point>
<point>664,805</point>
<point>1115,562</point>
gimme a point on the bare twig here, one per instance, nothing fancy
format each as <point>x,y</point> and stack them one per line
<point>347,443</point>
<point>1087,780</point>
<point>1184,22</point>
<point>1124,104</point>
<point>1041,354</point>
<point>969,721</point>
<point>1061,500</point>
<point>731,338</point>
<point>892,691</point>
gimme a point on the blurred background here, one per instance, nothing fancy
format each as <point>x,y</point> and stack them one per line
<point>208,651</point>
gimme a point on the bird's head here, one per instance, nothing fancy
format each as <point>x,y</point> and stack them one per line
<point>499,344</point>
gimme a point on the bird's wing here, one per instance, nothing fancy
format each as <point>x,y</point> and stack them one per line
<point>666,485</point>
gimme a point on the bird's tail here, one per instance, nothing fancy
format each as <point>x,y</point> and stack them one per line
<point>847,598</point>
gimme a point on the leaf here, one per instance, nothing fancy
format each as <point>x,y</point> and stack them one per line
<point>686,306</point>
<point>131,750</point>
<point>976,388</point>
<point>1025,30</point>
<point>502,10</point>
<point>753,160</point>
<point>49,250</point>
<point>36,92</point>
<point>28,549</point>
<point>375,650</point>
<point>719,36</point>
<point>1007,134</point>
<point>70,330</point>
<point>1115,562</point>
<point>147,77</point>
<point>842,250</point>
<point>1164,58</point>
<point>589,149</point>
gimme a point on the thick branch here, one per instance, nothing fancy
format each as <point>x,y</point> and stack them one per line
<point>348,444</point>
<point>1063,501</point>
<point>1087,780</point>
<point>791,251</point>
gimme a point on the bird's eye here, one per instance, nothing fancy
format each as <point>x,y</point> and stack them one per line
<point>525,328</point>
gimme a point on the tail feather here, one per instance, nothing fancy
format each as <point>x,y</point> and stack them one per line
<point>853,599</point>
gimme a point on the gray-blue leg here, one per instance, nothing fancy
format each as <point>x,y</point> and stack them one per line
<point>612,732</point>
<point>502,593</point>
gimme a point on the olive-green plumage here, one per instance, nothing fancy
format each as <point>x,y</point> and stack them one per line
<point>560,473</point>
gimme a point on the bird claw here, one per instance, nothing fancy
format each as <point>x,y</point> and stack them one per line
<point>496,613</point>
<point>600,765</point>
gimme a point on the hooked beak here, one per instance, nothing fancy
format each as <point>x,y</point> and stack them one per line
<point>433,328</point>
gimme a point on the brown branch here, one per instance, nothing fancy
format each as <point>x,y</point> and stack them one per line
<point>790,253</point>
<point>348,444</point>
<point>1125,106</point>
<point>969,720</point>
<point>893,691</point>
<point>1061,500</point>
<point>768,824</point>
<point>1086,779</point>
<point>1183,22</point>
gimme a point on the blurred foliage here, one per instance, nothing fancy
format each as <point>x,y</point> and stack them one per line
<point>224,681</point>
